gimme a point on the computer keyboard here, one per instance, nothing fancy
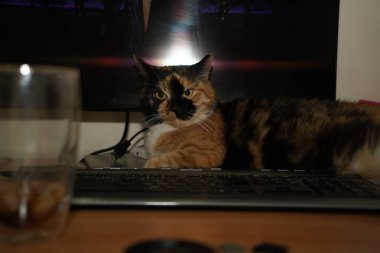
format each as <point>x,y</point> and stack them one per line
<point>223,183</point>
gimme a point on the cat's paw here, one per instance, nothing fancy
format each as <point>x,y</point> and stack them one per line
<point>155,163</point>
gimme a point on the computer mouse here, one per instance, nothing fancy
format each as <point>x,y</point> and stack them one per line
<point>169,246</point>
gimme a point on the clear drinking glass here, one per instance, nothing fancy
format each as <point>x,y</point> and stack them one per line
<point>39,108</point>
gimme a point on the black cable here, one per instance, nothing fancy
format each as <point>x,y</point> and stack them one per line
<point>124,135</point>
<point>139,132</point>
<point>121,149</point>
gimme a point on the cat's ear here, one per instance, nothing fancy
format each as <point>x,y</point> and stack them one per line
<point>144,69</point>
<point>202,69</point>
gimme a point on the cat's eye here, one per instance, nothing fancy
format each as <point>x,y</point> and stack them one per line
<point>188,93</point>
<point>160,95</point>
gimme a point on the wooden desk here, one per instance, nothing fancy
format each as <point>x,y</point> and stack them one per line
<point>112,231</point>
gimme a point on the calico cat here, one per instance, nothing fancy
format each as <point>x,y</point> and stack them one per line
<point>188,127</point>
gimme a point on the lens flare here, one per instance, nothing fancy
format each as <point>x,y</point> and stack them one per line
<point>25,70</point>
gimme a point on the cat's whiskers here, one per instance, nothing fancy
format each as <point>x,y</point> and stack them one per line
<point>146,118</point>
<point>205,118</point>
<point>211,122</point>
<point>206,124</point>
<point>151,119</point>
<point>208,127</point>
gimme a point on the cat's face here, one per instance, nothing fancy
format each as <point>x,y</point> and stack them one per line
<point>177,95</point>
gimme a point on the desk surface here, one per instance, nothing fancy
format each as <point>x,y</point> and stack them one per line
<point>112,231</point>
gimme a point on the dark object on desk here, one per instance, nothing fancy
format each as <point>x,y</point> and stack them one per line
<point>169,246</point>
<point>269,248</point>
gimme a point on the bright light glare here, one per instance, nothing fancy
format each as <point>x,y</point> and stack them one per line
<point>179,55</point>
<point>25,69</point>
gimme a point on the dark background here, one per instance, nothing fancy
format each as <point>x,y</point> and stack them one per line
<point>261,48</point>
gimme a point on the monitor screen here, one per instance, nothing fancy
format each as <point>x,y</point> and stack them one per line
<point>261,48</point>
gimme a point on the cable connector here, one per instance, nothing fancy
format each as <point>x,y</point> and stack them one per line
<point>120,149</point>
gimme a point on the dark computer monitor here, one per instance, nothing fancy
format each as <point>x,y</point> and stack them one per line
<point>261,48</point>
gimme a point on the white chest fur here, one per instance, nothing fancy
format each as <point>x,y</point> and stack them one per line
<point>366,163</point>
<point>152,135</point>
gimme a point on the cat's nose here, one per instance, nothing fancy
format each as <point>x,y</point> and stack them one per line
<point>179,112</point>
<point>174,106</point>
<point>183,110</point>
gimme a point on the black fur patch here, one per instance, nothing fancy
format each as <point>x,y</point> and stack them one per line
<point>182,107</point>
